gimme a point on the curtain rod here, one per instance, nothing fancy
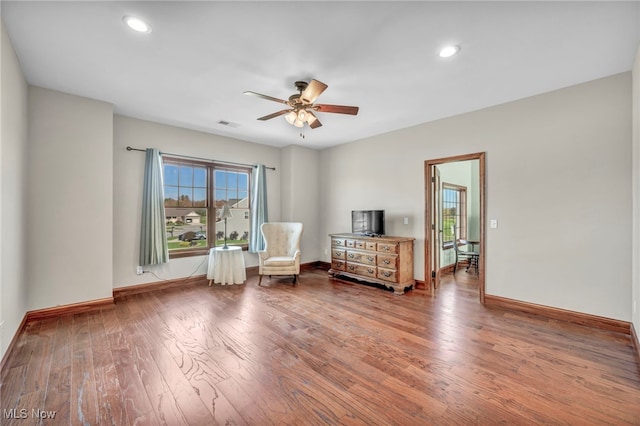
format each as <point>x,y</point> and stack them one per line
<point>200,158</point>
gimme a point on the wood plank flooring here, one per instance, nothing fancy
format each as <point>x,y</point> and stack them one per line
<point>324,352</point>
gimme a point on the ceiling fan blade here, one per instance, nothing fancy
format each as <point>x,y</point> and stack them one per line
<point>274,115</point>
<point>340,109</point>
<point>314,122</point>
<point>313,90</point>
<point>269,98</point>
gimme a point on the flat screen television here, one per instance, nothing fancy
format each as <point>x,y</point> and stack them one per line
<point>367,222</point>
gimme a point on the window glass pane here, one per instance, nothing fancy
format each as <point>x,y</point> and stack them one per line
<point>170,196</point>
<point>221,195</point>
<point>186,176</point>
<point>200,177</point>
<point>199,197</point>
<point>453,213</point>
<point>232,179</point>
<point>186,228</point>
<point>243,197</point>
<point>185,197</point>
<point>170,174</point>
<point>243,181</point>
<point>232,187</point>
<point>221,179</point>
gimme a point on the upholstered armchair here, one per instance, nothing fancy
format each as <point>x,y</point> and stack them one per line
<point>281,255</point>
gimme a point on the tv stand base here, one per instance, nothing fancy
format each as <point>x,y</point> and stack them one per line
<point>397,288</point>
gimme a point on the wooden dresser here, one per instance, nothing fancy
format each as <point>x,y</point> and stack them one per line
<point>380,260</point>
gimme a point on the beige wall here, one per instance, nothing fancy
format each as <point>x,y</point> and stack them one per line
<point>558,181</point>
<point>70,199</point>
<point>300,184</point>
<point>13,163</point>
<point>128,169</point>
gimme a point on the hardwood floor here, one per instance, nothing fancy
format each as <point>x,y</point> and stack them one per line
<point>323,352</point>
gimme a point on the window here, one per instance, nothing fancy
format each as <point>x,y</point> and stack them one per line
<point>232,186</point>
<point>194,193</point>
<point>454,212</point>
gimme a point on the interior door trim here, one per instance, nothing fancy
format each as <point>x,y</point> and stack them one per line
<point>428,169</point>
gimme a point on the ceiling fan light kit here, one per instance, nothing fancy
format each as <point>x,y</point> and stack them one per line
<point>301,105</point>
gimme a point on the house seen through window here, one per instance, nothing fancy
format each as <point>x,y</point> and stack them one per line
<point>195,192</point>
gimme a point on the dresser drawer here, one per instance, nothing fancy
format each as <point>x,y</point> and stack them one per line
<point>388,248</point>
<point>361,257</point>
<point>338,253</point>
<point>336,242</point>
<point>364,270</point>
<point>388,275</point>
<point>359,244</point>
<point>370,246</point>
<point>350,243</point>
<point>389,261</point>
<point>338,265</point>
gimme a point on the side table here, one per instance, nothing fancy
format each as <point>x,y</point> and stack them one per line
<point>226,266</point>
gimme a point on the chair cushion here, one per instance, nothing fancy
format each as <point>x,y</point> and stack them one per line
<point>279,261</point>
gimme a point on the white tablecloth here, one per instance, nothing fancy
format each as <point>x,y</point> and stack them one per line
<point>226,266</point>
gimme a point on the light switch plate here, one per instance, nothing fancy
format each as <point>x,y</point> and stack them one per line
<point>493,223</point>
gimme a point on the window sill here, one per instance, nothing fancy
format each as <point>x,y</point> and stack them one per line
<point>200,251</point>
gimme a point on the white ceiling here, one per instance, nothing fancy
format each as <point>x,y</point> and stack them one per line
<point>193,68</point>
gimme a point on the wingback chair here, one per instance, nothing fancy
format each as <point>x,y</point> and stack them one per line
<point>281,255</point>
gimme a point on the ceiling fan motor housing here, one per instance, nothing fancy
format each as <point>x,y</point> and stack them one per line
<point>301,85</point>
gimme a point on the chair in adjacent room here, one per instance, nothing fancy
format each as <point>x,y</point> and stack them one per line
<point>281,255</point>
<point>470,256</point>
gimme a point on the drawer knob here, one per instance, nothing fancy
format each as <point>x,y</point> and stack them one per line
<point>386,274</point>
<point>386,261</point>
<point>371,258</point>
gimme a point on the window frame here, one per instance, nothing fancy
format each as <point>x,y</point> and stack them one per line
<point>462,203</point>
<point>212,212</point>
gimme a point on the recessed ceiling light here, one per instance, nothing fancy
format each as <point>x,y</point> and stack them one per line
<point>137,24</point>
<point>449,51</point>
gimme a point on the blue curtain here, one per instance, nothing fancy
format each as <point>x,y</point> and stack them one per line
<point>153,234</point>
<point>258,208</point>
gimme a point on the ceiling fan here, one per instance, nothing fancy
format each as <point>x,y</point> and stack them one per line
<point>301,107</point>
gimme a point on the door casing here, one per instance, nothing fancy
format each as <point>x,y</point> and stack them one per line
<point>430,241</point>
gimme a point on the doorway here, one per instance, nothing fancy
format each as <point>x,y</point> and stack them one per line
<point>435,234</point>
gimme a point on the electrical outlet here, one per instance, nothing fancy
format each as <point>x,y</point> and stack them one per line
<point>326,251</point>
<point>139,270</point>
